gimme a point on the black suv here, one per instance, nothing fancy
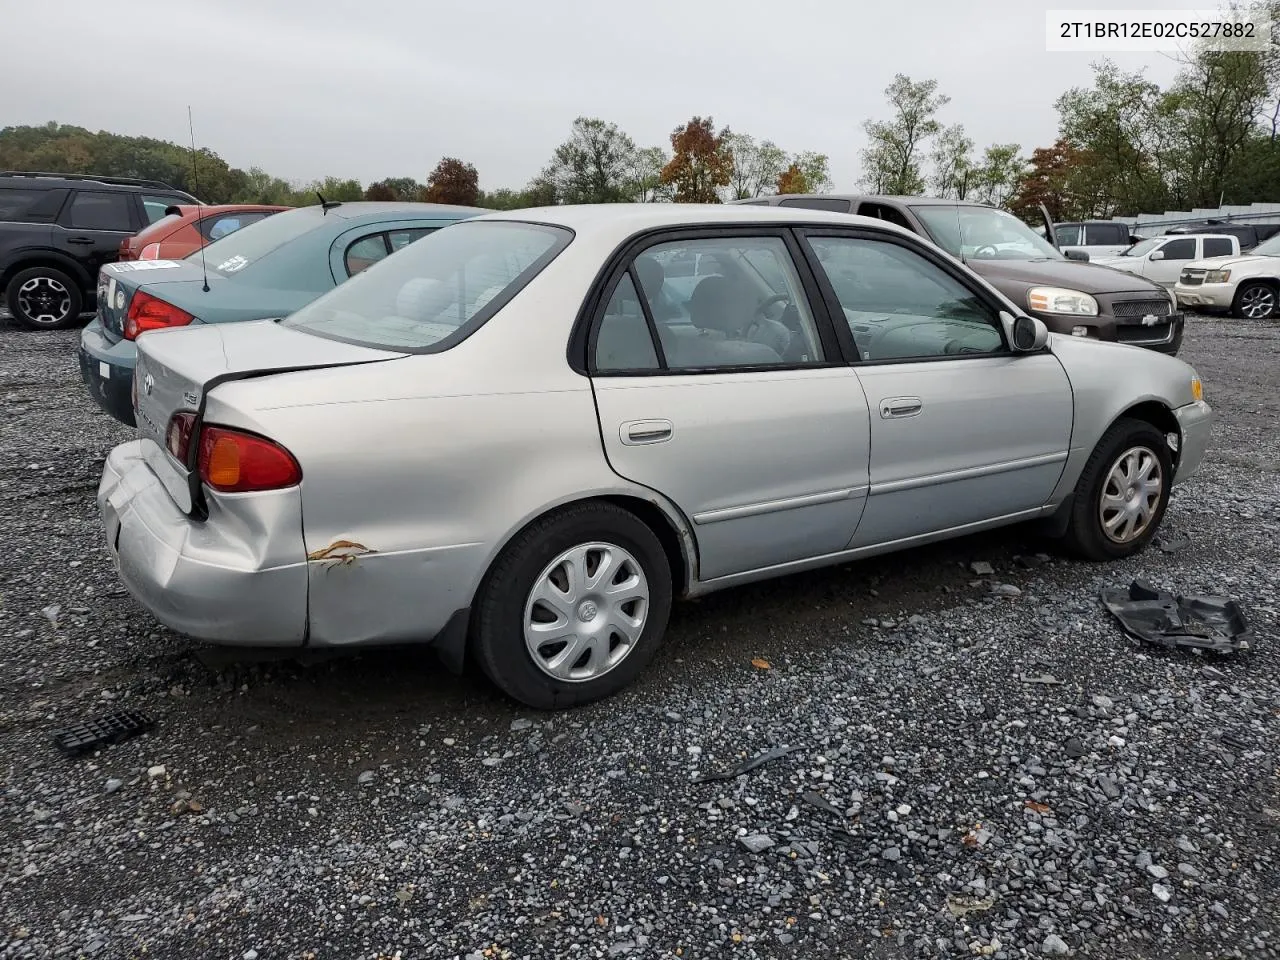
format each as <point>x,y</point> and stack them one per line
<point>57,229</point>
<point>1249,234</point>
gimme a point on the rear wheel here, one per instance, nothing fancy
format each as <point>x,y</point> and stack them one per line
<point>1122,493</point>
<point>1256,301</point>
<point>44,298</point>
<point>574,608</point>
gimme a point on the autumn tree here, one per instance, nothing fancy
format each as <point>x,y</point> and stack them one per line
<point>595,165</point>
<point>792,180</point>
<point>891,161</point>
<point>1053,179</point>
<point>701,163</point>
<point>453,181</point>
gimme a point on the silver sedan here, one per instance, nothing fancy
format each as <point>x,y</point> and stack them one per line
<point>524,435</point>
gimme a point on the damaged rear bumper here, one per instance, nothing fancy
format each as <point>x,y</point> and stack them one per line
<point>1195,422</point>
<point>239,578</point>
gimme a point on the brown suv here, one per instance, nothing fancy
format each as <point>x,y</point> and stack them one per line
<point>1070,296</point>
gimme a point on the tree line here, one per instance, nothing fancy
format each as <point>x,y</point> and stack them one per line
<point>597,163</point>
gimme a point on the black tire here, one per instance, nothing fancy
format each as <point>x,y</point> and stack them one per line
<point>1260,292</point>
<point>1085,536</point>
<point>50,284</point>
<point>498,624</point>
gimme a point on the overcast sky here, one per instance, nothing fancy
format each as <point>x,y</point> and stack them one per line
<point>377,88</point>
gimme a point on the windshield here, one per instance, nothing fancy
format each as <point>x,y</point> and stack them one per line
<point>230,254</point>
<point>446,284</point>
<point>1143,247</point>
<point>1267,248</point>
<point>983,233</point>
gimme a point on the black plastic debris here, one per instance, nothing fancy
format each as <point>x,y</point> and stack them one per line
<point>1166,620</point>
<point>746,766</point>
<point>820,802</point>
<point>1172,542</point>
<point>107,729</point>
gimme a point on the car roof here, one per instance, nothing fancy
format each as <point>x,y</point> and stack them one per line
<point>389,209</point>
<point>620,220</point>
<point>776,199</point>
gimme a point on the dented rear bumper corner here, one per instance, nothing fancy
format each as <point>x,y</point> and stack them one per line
<point>237,578</point>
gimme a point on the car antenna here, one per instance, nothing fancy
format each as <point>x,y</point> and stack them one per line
<point>195,183</point>
<point>327,205</point>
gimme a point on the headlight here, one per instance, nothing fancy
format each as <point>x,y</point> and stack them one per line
<point>1197,388</point>
<point>1059,300</point>
<point>1217,276</point>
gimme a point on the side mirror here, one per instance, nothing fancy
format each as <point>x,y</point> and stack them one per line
<point>1076,255</point>
<point>1156,255</point>
<point>1026,334</point>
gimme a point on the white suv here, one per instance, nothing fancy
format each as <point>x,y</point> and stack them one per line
<point>1247,286</point>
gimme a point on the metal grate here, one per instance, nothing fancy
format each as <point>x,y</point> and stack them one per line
<point>1136,334</point>
<point>111,728</point>
<point>1192,278</point>
<point>1139,308</point>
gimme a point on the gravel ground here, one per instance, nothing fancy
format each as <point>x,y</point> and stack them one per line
<point>938,798</point>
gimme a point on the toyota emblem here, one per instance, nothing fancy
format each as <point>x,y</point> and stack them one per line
<point>148,382</point>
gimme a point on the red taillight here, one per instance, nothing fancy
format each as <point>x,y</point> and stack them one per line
<point>126,250</point>
<point>178,436</point>
<point>150,252</point>
<point>151,313</point>
<point>232,461</point>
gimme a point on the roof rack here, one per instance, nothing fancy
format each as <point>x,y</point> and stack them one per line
<point>122,181</point>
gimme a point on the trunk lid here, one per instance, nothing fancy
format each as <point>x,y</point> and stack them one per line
<point>119,281</point>
<point>177,368</point>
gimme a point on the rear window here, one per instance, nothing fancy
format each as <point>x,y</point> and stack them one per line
<point>237,250</point>
<point>436,291</point>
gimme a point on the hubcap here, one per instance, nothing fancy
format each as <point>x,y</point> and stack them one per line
<point>44,300</point>
<point>586,612</point>
<point>1257,303</point>
<point>1131,495</point>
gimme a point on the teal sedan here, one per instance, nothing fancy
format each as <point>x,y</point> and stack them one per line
<point>268,269</point>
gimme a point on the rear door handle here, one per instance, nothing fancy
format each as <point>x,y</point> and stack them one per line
<point>637,432</point>
<point>897,408</point>
<point>85,240</point>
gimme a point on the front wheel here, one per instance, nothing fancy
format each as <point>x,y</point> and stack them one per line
<point>1122,493</point>
<point>44,298</point>
<point>1256,301</point>
<point>574,608</point>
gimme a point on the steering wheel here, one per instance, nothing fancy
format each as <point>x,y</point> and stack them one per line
<point>768,302</point>
<point>986,246</point>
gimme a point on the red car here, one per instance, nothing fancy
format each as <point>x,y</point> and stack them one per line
<point>185,229</point>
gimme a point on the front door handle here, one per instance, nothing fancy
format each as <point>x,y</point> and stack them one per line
<point>897,408</point>
<point>637,432</point>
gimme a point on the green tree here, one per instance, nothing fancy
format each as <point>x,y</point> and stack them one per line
<point>756,165</point>
<point>814,167</point>
<point>997,177</point>
<point>952,163</point>
<point>646,176</point>
<point>700,164</point>
<point>595,165</point>
<point>891,160</point>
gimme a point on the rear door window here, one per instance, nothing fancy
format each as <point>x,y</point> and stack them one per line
<point>1184,249</point>
<point>1068,234</point>
<point>1217,247</point>
<point>101,211</point>
<point>31,206</point>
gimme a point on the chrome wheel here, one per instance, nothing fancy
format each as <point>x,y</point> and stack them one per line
<point>1257,302</point>
<point>586,612</point>
<point>1131,495</point>
<point>44,300</point>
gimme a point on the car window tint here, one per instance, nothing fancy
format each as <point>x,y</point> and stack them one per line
<point>1180,249</point>
<point>365,252</point>
<point>883,211</point>
<point>214,228</point>
<point>1068,234</point>
<point>28,205</point>
<point>402,238</point>
<point>623,341</point>
<point>1217,247</point>
<point>900,306</point>
<point>741,304</point>
<point>155,207</point>
<point>101,211</point>
<point>817,203</point>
